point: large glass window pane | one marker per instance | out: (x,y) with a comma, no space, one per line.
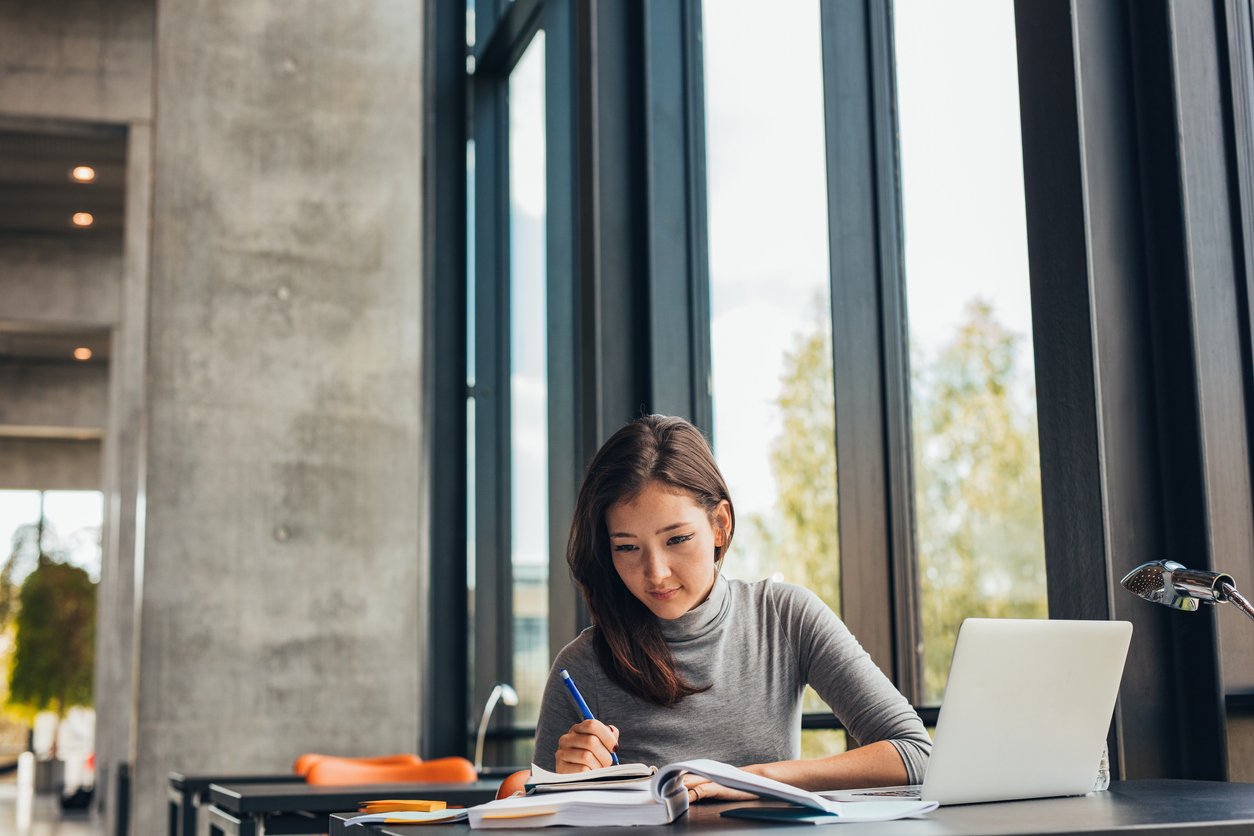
(770,330)
(529,452)
(976,459)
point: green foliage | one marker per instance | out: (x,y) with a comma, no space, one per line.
(980,542)
(56,627)
(23,554)
(978,491)
(798,539)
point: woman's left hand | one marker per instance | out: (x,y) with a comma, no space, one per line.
(703,789)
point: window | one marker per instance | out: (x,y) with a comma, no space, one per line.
(507,408)
(863,208)
(774,420)
(800,309)
(980,543)
(528,384)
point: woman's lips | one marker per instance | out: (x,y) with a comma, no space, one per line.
(664,594)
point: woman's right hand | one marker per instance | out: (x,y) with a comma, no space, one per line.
(586,746)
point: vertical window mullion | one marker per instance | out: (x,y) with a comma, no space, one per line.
(868,401)
(492,495)
(907,627)
(445,698)
(565,458)
(675,227)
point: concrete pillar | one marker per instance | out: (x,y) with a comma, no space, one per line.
(281,572)
(122,482)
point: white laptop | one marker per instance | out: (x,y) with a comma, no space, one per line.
(1025,712)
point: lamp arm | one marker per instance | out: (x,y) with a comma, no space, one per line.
(483,727)
(1237,599)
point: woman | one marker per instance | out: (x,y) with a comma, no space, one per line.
(683,663)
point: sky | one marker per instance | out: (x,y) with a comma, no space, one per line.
(963,225)
(962,187)
(528,331)
(76,517)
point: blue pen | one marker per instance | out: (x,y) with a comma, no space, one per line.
(583,706)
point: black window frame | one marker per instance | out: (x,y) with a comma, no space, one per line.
(627,263)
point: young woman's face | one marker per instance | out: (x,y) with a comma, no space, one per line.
(663,546)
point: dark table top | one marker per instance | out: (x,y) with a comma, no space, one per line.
(195,783)
(1178,807)
(249,799)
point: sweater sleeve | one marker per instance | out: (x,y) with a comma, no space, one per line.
(864,700)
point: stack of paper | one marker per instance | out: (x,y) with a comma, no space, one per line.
(634,776)
(582,807)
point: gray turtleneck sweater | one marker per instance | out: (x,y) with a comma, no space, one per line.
(757,645)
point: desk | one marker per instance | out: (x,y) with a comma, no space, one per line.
(187,792)
(251,809)
(1201,808)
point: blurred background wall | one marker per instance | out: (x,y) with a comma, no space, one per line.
(249,285)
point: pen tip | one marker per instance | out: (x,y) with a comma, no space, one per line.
(565,675)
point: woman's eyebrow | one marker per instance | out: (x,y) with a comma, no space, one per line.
(670,527)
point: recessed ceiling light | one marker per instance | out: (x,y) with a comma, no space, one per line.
(83,174)
(82,353)
(83,219)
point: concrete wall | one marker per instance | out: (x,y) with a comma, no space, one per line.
(57,280)
(77,59)
(52,397)
(41,464)
(282,567)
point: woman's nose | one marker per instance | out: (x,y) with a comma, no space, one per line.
(655,566)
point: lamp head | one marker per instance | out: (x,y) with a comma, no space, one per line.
(508,695)
(1171,584)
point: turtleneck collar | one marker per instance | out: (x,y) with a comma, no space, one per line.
(702,618)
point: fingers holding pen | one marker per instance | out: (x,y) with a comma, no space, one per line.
(587,745)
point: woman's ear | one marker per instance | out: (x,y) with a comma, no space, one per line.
(722,523)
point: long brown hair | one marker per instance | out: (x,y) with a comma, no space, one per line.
(628,639)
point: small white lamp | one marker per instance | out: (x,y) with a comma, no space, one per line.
(501,692)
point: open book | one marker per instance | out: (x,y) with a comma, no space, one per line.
(664,798)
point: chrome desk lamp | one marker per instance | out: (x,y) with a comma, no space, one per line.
(501,692)
(1167,582)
